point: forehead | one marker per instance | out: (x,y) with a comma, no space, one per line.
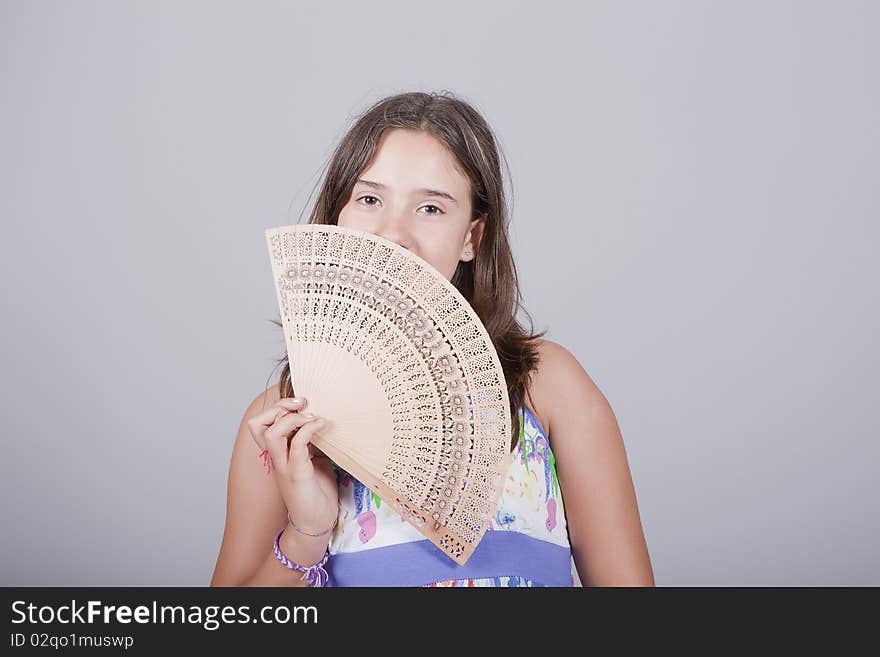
(408,160)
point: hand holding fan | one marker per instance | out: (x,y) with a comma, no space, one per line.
(393,356)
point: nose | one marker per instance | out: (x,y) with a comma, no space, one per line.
(394,229)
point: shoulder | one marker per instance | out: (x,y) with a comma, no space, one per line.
(266,398)
(261,402)
(601,509)
(561,386)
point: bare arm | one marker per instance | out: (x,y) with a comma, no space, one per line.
(599,498)
(255,512)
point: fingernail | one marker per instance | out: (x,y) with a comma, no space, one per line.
(308,415)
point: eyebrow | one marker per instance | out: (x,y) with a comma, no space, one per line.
(423,190)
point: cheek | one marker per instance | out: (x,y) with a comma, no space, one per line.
(344,216)
(349,217)
(442,260)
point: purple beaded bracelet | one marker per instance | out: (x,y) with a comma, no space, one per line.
(315,574)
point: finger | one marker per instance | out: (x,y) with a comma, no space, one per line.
(299,454)
(277,436)
(288,423)
(265,419)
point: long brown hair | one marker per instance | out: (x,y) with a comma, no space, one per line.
(489,281)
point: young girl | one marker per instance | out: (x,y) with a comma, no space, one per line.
(422,170)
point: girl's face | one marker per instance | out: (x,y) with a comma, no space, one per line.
(413,195)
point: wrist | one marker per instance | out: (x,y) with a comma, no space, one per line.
(313,534)
(302,521)
(301,549)
(313,573)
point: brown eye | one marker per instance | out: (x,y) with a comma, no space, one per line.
(368,196)
(439,211)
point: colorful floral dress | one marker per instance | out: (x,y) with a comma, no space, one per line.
(526,544)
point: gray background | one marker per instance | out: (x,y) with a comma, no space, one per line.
(695,219)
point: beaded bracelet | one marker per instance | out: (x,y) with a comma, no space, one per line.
(315,574)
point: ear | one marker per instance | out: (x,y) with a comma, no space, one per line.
(474,236)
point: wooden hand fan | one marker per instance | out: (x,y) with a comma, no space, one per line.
(385,348)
